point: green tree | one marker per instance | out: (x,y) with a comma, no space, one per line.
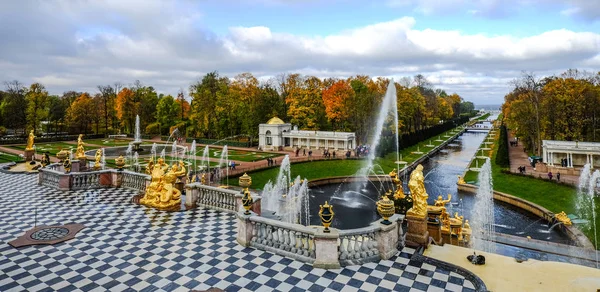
(205,93)
(166,110)
(80,114)
(57,109)
(14,105)
(37,105)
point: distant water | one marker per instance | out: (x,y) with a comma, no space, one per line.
(488,107)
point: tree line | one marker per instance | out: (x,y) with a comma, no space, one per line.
(223,107)
(564,107)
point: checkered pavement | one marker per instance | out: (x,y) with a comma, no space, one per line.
(130,247)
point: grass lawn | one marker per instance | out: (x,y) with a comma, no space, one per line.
(9,157)
(53,147)
(240,155)
(106,142)
(548,194)
(329,168)
(484,117)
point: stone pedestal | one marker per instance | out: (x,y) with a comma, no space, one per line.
(434,227)
(326,249)
(82,164)
(255,204)
(28,154)
(116,178)
(244,234)
(191,196)
(106,179)
(387,240)
(417,234)
(64,182)
(76,166)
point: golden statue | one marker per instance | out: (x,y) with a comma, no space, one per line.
(416,184)
(80,153)
(150,167)
(461,180)
(459,218)
(440,202)
(399,193)
(30,141)
(45,159)
(98,157)
(67,165)
(467,226)
(562,217)
(161,193)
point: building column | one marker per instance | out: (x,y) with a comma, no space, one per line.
(545,155)
(592,160)
(570,159)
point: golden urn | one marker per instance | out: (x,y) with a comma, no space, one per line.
(120,162)
(326,214)
(385,208)
(245,181)
(62,154)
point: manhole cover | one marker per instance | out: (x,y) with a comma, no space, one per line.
(52,233)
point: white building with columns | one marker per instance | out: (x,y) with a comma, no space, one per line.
(577,154)
(278,135)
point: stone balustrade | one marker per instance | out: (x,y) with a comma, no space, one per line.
(134,180)
(49,178)
(324,250)
(217,198)
(53,176)
(85,180)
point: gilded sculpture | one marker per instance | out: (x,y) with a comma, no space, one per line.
(399,193)
(416,184)
(30,141)
(98,157)
(161,193)
(562,217)
(440,202)
(80,153)
(461,180)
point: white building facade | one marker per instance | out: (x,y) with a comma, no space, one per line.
(278,135)
(575,154)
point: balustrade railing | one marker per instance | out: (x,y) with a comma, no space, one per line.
(85,180)
(358,246)
(134,180)
(49,178)
(291,240)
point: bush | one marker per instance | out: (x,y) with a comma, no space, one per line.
(2,131)
(181,126)
(502,158)
(153,129)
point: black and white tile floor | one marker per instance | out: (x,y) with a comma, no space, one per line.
(129,247)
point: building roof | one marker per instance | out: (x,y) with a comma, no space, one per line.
(275,121)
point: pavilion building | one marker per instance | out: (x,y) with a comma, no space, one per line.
(570,154)
(278,135)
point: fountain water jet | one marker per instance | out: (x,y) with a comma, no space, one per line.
(137,138)
(223,161)
(586,205)
(482,222)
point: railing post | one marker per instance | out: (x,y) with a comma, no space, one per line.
(326,249)
(244,234)
(387,238)
(191,196)
(64,182)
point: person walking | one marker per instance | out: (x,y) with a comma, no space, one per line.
(550,175)
(558,176)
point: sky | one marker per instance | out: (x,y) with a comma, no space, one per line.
(473,48)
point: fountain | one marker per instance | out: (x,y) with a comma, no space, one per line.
(418,151)
(476,168)
(223,162)
(586,205)
(205,162)
(192,157)
(285,198)
(137,139)
(103,160)
(482,225)
(439,139)
(174,152)
(481,156)
(430,145)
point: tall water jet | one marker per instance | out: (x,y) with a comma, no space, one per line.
(285,199)
(103,159)
(223,161)
(136,162)
(388,104)
(174,152)
(585,204)
(129,155)
(482,222)
(137,138)
(192,157)
(162,154)
(205,162)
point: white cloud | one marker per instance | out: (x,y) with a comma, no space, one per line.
(78,45)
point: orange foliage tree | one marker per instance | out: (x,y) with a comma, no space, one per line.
(126,108)
(335,99)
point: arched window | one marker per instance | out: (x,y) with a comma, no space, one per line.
(268,138)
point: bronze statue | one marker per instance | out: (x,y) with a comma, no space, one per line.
(30,141)
(80,153)
(562,217)
(416,184)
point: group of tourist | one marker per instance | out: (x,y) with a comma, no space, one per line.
(557,175)
(328,154)
(363,150)
(270,161)
(564,162)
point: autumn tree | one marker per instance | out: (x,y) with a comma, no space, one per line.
(337,98)
(37,105)
(107,95)
(80,114)
(126,108)
(57,110)
(205,94)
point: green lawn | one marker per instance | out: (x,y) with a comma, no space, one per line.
(53,147)
(548,194)
(240,155)
(107,142)
(484,117)
(9,157)
(329,168)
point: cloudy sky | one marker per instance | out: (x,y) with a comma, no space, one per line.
(471,47)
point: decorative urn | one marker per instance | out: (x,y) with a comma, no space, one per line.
(62,154)
(120,162)
(385,208)
(245,181)
(67,165)
(326,214)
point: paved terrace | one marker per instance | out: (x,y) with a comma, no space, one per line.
(130,247)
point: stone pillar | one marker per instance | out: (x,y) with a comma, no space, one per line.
(326,249)
(117,178)
(245,229)
(417,234)
(29,154)
(64,182)
(82,163)
(191,196)
(76,166)
(106,179)
(387,239)
(592,160)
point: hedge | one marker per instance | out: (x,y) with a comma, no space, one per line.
(502,158)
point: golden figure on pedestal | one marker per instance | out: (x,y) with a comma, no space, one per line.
(98,157)
(461,180)
(399,193)
(80,153)
(416,184)
(30,141)
(161,193)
